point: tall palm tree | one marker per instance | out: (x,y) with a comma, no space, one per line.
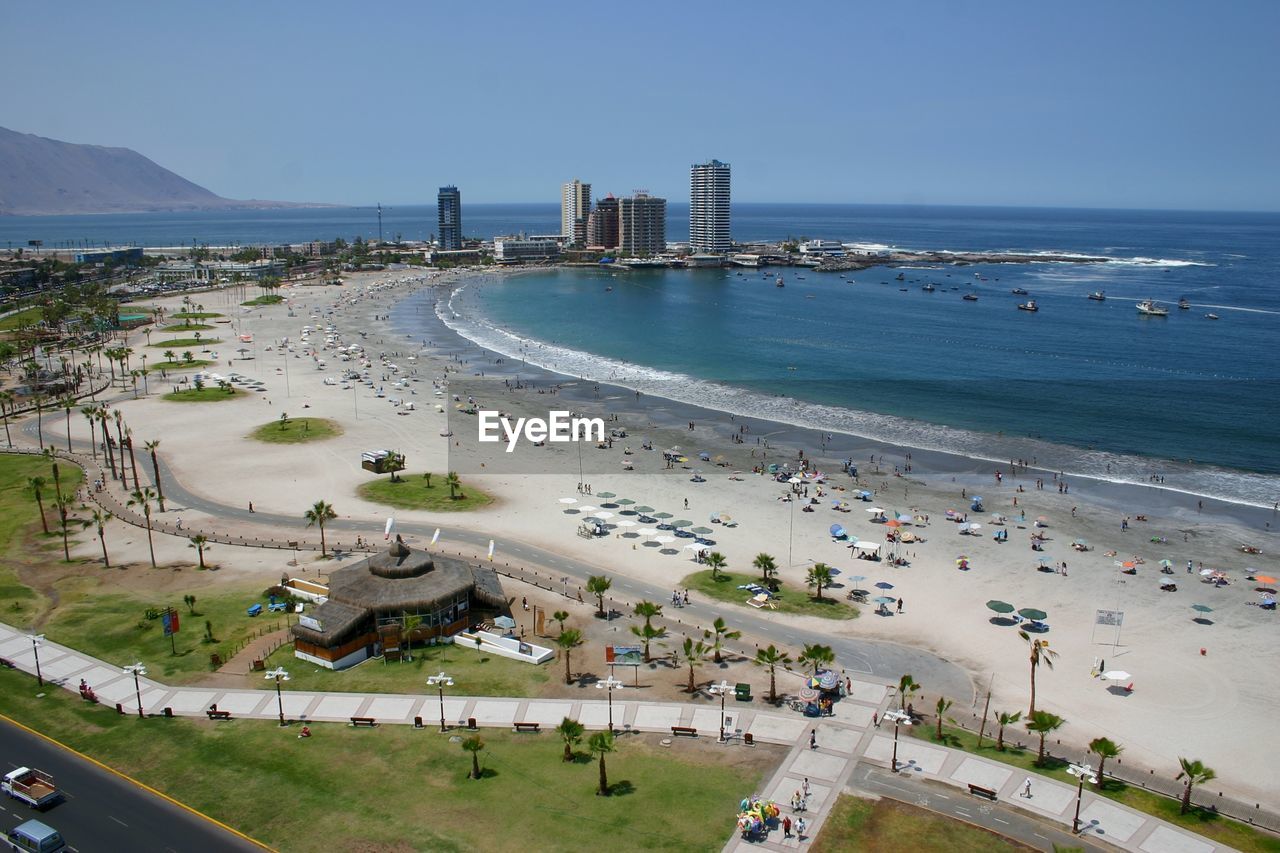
(1040,654)
(1004,718)
(1194,772)
(940,709)
(716,561)
(820,576)
(906,687)
(155,470)
(142,498)
(1042,723)
(7,399)
(718,633)
(89,415)
(598,585)
(201,543)
(454,482)
(38,398)
(766,566)
(569,639)
(64,504)
(1104,748)
(100,519)
(647,634)
(816,656)
(133,462)
(772,658)
(103,417)
(474,745)
(318,516)
(68,403)
(118,417)
(36,485)
(600,744)
(695,651)
(570,731)
(51,455)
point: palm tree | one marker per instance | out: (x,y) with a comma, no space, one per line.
(601,743)
(816,656)
(1004,718)
(143,498)
(718,633)
(766,566)
(695,651)
(118,417)
(38,399)
(940,709)
(560,616)
(170,356)
(155,469)
(906,686)
(569,639)
(1042,722)
(598,585)
(100,519)
(455,485)
(1040,654)
(89,414)
(64,504)
(201,543)
(68,403)
(772,658)
(106,440)
(318,516)
(51,455)
(474,745)
(647,634)
(1104,748)
(716,562)
(1194,772)
(820,576)
(570,731)
(133,463)
(36,485)
(7,399)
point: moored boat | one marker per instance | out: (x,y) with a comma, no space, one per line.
(778,282)
(1184,303)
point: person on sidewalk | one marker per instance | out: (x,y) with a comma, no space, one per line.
(801,828)
(813,738)
(786,826)
(1026,788)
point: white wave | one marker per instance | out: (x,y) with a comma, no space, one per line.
(1158,262)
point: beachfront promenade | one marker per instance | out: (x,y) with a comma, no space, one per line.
(844,742)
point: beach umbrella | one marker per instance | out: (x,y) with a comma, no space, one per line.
(1202,608)
(724,517)
(1032,614)
(505,622)
(902,516)
(588,509)
(664,540)
(1264,579)
(701,531)
(837,531)
(884,599)
(694,546)
(605,495)
(795,481)
(828,680)
(663,515)
(1080,542)
(884,585)
(857,578)
(603,516)
(999,606)
(1166,563)
(893,522)
(681,522)
(647,531)
(624,502)
(626,522)
(807,693)
(1116,675)
(875,509)
(1206,572)
(644,509)
(568,500)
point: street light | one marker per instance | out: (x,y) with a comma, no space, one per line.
(279,675)
(36,640)
(137,669)
(440,682)
(610,684)
(1085,774)
(898,718)
(723,689)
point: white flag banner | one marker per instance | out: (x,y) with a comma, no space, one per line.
(435,537)
(490,549)
(391,525)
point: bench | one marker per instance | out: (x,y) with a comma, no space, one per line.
(686,731)
(979,791)
(525,727)
(367,722)
(215,714)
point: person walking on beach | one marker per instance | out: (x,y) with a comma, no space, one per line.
(899,605)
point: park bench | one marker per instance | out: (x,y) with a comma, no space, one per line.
(686,731)
(215,714)
(367,722)
(979,791)
(525,727)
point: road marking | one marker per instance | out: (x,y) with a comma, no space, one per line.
(1038,835)
(1000,820)
(119,821)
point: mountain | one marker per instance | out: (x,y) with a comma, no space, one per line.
(47,177)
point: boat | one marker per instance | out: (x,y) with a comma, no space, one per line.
(902,289)
(1018,291)
(901,276)
(1029,305)
(970,297)
(928,288)
(1211,316)
(778,282)
(1098,296)
(1149,308)
(1184,304)
(608,290)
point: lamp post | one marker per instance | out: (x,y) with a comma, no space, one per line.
(1084,773)
(440,682)
(610,684)
(36,640)
(279,675)
(899,718)
(145,390)
(722,688)
(138,670)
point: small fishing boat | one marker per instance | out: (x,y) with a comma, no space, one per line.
(928,288)
(778,282)
(1098,296)
(1029,305)
(1211,316)
(970,297)
(1184,303)
(901,276)
(1149,308)
(902,289)
(1018,291)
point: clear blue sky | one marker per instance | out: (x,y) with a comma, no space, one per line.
(1169,104)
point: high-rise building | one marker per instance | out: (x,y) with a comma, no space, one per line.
(575,206)
(449,214)
(602,223)
(642,225)
(709,207)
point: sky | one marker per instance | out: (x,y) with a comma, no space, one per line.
(1090,103)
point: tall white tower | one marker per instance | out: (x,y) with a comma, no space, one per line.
(575,205)
(709,207)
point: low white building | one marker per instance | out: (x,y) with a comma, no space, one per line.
(517,249)
(828,248)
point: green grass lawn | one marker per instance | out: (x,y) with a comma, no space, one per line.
(412,492)
(858,824)
(473,673)
(1200,821)
(297,431)
(180,365)
(19,521)
(195,315)
(185,343)
(208,394)
(188,326)
(799,601)
(265,299)
(398,789)
(27,316)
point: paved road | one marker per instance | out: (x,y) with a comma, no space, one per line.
(102,811)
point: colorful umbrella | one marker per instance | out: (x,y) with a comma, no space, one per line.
(1264,579)
(999,606)
(828,679)
(1032,614)
(807,693)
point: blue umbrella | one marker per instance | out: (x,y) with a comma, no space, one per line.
(884,599)
(884,585)
(837,531)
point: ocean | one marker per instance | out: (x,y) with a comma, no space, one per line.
(1090,388)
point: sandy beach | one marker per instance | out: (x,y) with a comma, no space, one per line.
(1200,689)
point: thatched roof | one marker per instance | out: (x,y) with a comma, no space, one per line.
(336,620)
